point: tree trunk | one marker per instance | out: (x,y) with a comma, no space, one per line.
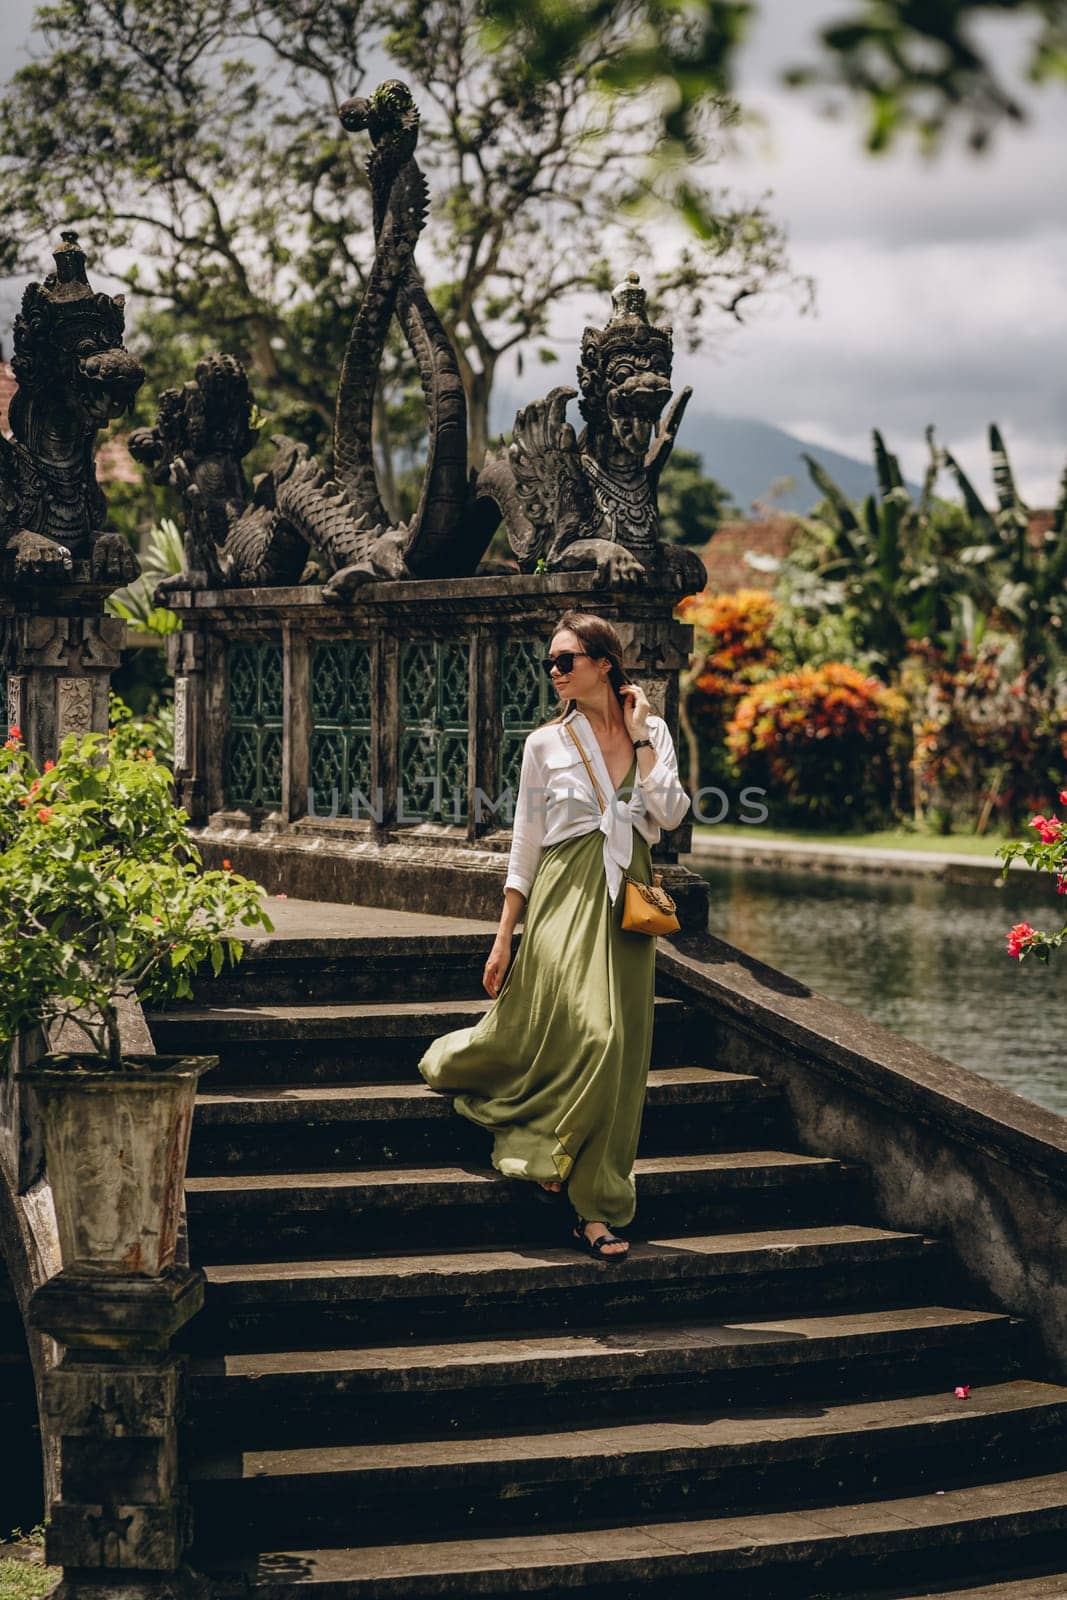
(479,387)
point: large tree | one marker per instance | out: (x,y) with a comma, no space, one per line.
(197,147)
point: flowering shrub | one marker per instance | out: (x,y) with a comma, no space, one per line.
(102,893)
(1049,852)
(825,740)
(731,652)
(730,639)
(988,737)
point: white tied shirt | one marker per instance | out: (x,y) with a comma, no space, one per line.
(556,799)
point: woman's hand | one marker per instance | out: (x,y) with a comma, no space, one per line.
(635,710)
(497,965)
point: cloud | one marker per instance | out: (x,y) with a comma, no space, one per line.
(941,287)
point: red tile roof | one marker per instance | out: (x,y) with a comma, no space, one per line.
(724,556)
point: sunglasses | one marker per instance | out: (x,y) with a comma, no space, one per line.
(564,661)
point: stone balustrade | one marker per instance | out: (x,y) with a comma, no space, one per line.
(318,744)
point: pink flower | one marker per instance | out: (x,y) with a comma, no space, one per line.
(1063,797)
(1019,939)
(1061,883)
(1048,828)
(281,897)
(962,1391)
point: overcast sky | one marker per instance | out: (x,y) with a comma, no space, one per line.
(941,288)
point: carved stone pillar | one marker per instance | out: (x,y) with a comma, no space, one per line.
(186,659)
(58,669)
(121,1522)
(655,652)
(296,733)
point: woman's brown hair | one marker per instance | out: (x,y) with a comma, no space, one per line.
(599,640)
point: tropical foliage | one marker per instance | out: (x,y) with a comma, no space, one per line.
(894,570)
(161,556)
(1029,577)
(988,738)
(691,505)
(150,737)
(104,894)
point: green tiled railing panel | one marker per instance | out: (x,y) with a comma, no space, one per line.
(435,729)
(252,761)
(526,699)
(340,725)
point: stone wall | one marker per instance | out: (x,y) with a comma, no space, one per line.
(949,1152)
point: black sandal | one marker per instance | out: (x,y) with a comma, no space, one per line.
(595,1247)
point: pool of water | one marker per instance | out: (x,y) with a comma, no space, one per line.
(920,956)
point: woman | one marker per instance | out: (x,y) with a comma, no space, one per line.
(557,1067)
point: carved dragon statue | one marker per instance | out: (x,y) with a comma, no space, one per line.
(577,503)
(74,377)
(203,431)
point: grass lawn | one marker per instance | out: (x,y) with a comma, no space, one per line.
(885,839)
(26,1580)
(23,1574)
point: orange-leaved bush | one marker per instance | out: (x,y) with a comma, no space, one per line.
(827,743)
(731,652)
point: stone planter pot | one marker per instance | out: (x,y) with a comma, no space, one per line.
(116,1146)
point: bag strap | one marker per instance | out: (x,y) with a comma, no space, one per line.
(657,877)
(588,768)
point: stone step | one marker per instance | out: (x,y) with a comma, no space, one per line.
(297,1395)
(256,1304)
(264,1127)
(711,1460)
(364,1209)
(374,967)
(829,1548)
(261,1042)
(1034,1586)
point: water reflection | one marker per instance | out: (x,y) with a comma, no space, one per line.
(918,955)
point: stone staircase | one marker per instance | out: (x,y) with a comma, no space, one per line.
(406,1382)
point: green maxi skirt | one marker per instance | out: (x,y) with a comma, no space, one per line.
(557,1068)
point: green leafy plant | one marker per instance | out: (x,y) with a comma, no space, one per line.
(148,736)
(1031,589)
(896,568)
(103,896)
(161,557)
(988,737)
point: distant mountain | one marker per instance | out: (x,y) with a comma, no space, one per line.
(749,458)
